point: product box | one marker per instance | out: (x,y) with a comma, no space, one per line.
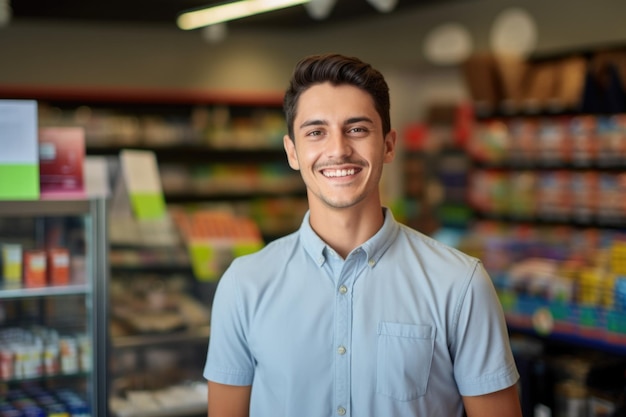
(11,265)
(19,168)
(58,266)
(572,74)
(61,160)
(511,71)
(139,189)
(481,77)
(35,268)
(540,87)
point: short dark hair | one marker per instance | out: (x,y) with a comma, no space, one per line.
(336,69)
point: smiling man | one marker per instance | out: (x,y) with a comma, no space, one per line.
(354,314)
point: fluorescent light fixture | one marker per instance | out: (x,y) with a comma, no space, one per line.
(230,11)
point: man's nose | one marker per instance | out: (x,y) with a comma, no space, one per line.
(338,145)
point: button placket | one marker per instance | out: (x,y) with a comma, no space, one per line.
(343,327)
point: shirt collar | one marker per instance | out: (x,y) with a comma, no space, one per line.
(374,247)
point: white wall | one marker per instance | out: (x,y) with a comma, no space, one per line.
(68,54)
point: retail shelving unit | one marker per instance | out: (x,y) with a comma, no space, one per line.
(212,149)
(548,155)
(435,188)
(560,195)
(159,333)
(552,233)
(436,167)
(53,337)
(547,188)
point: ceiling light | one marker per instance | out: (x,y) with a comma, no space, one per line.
(448,44)
(230,11)
(320,9)
(5,12)
(514,31)
(383,6)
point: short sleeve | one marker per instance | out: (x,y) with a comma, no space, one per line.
(229,360)
(483,362)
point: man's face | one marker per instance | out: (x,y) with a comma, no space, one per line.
(339,146)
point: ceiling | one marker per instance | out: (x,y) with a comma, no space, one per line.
(166,11)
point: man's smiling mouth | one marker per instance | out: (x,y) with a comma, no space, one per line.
(334,173)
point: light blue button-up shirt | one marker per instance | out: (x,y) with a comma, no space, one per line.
(402,327)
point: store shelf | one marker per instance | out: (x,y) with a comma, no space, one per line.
(176,401)
(12,293)
(180,411)
(523,325)
(199,335)
(198,153)
(131,97)
(29,208)
(151,268)
(543,165)
(44,378)
(234,196)
(551,220)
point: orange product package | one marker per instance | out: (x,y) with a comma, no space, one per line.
(58,266)
(35,268)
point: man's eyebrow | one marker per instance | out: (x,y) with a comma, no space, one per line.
(313,122)
(358,120)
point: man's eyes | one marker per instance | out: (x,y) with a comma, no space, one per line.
(352,130)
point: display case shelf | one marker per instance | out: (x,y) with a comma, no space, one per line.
(47,378)
(30,208)
(12,293)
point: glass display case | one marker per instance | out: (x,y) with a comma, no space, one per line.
(53,307)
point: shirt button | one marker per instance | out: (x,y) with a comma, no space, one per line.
(343,289)
(341,350)
(341,411)
(371,262)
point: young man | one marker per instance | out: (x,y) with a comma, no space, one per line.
(354,314)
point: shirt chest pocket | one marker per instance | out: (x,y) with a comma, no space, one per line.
(405,353)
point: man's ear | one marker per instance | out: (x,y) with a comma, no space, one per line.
(390,146)
(290,150)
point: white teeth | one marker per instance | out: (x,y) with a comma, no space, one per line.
(339,173)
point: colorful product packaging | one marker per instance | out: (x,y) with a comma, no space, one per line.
(12,265)
(35,266)
(552,142)
(58,266)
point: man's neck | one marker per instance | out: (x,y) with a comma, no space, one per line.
(345,229)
